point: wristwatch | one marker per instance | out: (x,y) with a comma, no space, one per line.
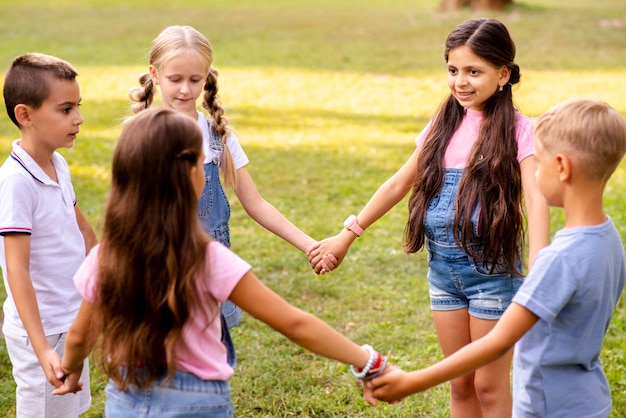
(351,224)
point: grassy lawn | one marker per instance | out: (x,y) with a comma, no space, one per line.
(327,97)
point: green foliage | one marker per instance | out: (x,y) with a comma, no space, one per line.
(327,97)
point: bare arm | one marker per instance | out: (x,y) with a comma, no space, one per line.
(86,230)
(79,342)
(386,197)
(17,250)
(300,327)
(537,210)
(266,215)
(397,384)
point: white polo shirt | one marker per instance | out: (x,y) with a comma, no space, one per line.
(32,203)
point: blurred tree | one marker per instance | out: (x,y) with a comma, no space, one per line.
(497,5)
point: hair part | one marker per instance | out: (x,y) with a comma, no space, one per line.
(27,80)
(151,248)
(172,41)
(492,178)
(590,131)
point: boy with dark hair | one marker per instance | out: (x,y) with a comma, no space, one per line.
(44,237)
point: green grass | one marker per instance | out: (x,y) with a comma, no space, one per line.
(327,97)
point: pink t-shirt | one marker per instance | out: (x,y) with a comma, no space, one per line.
(202,352)
(466,135)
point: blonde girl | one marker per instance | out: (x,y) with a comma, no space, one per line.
(181,66)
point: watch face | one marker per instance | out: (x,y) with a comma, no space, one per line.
(349,221)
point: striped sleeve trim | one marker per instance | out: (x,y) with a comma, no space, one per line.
(15,230)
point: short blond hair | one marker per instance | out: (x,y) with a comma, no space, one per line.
(591,130)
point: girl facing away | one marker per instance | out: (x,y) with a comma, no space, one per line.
(153,287)
(472,165)
(181,66)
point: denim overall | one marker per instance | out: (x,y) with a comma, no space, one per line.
(457,280)
(214,212)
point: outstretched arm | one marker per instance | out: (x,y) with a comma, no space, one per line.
(300,327)
(386,197)
(397,384)
(266,215)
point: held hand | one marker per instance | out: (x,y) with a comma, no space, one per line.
(392,386)
(368,388)
(321,258)
(368,396)
(328,262)
(71,384)
(51,364)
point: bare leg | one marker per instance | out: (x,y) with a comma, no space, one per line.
(453,331)
(493,381)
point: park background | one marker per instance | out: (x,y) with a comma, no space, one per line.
(327,97)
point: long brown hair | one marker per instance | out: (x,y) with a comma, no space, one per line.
(172,41)
(492,177)
(152,245)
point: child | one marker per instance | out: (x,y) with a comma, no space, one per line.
(44,236)
(154,286)
(471,164)
(562,311)
(180,63)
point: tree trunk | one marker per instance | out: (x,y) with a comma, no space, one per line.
(495,5)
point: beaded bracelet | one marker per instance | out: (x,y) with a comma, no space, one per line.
(377,371)
(374,363)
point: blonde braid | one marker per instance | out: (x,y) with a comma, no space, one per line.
(211,102)
(142,96)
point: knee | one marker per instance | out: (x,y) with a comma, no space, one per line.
(462,388)
(491,392)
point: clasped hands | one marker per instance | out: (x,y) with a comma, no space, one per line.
(391,387)
(55,374)
(326,255)
(70,383)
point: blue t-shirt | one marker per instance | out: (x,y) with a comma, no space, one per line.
(573,287)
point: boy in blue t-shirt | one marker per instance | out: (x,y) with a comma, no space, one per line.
(561,313)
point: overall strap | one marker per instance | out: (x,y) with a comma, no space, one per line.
(215,142)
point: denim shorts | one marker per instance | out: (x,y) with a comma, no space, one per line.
(457,281)
(186,396)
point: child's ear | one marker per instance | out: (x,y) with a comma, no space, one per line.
(564,166)
(154,75)
(22,114)
(505,75)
